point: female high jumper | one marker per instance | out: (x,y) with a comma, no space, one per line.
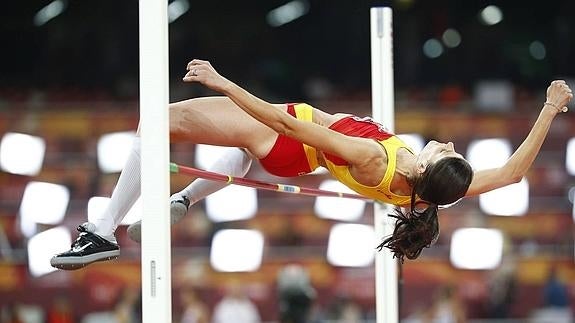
(294,139)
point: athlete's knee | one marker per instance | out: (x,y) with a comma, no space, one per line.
(177,130)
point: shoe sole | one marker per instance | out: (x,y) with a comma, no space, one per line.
(74,263)
(177,212)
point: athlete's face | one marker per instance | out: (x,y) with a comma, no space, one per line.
(434,151)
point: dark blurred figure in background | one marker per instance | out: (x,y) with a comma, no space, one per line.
(555,292)
(296,295)
(556,305)
(502,288)
(10,314)
(343,309)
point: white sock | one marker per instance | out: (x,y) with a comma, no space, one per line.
(124,196)
(235,162)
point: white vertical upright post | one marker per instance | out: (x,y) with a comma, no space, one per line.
(154,129)
(386,289)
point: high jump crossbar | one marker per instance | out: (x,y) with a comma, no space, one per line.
(284,188)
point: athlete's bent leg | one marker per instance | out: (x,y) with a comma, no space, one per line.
(234,162)
(212,120)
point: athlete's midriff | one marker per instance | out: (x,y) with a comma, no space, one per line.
(288,158)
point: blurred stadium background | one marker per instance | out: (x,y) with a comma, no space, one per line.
(474,73)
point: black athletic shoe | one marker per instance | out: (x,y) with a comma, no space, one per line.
(88,248)
(178,208)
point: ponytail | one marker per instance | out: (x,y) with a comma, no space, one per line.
(414,230)
(443,182)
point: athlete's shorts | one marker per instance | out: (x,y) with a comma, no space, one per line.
(289,157)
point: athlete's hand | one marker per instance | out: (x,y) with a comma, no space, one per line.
(202,72)
(558,95)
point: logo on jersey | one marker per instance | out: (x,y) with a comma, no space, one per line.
(386,194)
(380,127)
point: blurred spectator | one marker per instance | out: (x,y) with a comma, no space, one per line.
(350,313)
(235,307)
(22,313)
(61,311)
(194,310)
(296,295)
(127,307)
(502,287)
(555,292)
(446,308)
(416,315)
(9,314)
(556,308)
(344,310)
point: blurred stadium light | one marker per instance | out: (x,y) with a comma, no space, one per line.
(22,154)
(287,13)
(97,206)
(237,250)
(44,203)
(49,12)
(43,246)
(351,245)
(113,150)
(232,203)
(491,15)
(337,208)
(476,248)
(413,140)
(570,157)
(509,200)
(488,153)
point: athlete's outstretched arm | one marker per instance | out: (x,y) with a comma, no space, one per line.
(357,151)
(558,96)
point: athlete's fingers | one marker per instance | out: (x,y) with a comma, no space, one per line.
(197,62)
(191,75)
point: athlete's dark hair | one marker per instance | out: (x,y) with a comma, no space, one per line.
(443,182)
